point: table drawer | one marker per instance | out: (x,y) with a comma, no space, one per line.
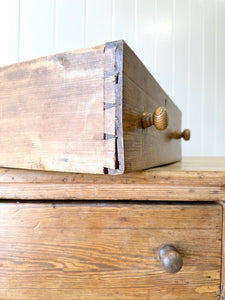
(93,250)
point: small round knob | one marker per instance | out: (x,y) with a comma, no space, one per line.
(186,135)
(159,119)
(170,258)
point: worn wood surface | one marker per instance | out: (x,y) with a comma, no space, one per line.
(145,148)
(108,251)
(52,113)
(190,180)
(81,111)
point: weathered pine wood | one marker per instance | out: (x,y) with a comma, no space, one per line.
(81,111)
(145,148)
(192,179)
(52,112)
(108,251)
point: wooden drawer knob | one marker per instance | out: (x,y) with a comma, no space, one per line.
(186,135)
(170,258)
(159,119)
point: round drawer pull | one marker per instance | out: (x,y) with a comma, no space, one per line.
(170,258)
(186,135)
(159,119)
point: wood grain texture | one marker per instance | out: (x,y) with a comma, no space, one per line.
(145,148)
(192,179)
(52,112)
(108,251)
(81,111)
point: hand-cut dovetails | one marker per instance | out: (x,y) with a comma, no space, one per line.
(159,119)
(108,105)
(108,136)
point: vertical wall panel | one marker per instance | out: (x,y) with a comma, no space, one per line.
(180,60)
(69,25)
(208,75)
(99,22)
(9,31)
(220,79)
(145,33)
(124,21)
(164,44)
(36,28)
(195,77)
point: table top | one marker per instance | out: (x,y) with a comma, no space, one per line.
(192,179)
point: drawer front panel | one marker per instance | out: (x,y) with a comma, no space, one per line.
(108,251)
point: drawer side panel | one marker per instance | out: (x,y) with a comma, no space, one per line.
(52,112)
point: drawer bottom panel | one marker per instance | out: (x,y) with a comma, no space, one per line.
(93,250)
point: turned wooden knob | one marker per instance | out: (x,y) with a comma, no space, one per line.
(170,258)
(159,119)
(186,135)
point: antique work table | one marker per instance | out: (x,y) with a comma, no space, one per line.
(81,236)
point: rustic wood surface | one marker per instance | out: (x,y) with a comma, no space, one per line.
(52,113)
(108,251)
(81,111)
(192,179)
(145,148)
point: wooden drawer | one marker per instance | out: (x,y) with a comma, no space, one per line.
(108,251)
(81,111)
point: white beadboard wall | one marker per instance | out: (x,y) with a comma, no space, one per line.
(182,43)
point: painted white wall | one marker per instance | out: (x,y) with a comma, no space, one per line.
(182,43)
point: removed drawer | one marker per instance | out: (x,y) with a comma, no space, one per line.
(86,111)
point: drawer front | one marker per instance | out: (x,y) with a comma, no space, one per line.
(108,251)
